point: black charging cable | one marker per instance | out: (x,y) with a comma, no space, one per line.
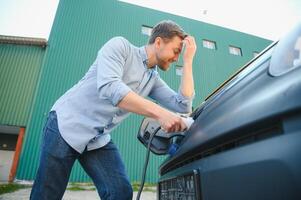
(146,161)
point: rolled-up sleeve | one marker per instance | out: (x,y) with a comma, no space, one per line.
(170,99)
(110,65)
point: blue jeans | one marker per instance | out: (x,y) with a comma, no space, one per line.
(103,165)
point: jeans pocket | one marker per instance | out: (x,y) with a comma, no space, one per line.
(55,145)
(52,122)
(53,142)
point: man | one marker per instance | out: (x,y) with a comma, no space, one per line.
(79,123)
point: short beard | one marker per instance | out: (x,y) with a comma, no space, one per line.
(162,64)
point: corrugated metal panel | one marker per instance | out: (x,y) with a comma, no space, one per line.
(20,67)
(81,28)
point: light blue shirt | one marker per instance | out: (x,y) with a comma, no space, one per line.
(87,113)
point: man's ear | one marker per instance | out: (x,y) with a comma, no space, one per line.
(158,42)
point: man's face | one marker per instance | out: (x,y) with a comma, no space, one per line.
(168,52)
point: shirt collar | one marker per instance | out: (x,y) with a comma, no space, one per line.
(143,55)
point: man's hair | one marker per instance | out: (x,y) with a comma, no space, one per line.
(166,30)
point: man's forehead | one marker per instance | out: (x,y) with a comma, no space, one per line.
(178,42)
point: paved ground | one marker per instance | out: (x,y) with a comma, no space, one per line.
(23,194)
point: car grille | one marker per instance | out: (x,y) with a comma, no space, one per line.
(185,187)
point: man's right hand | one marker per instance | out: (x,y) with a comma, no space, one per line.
(171,122)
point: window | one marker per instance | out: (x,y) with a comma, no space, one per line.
(209,44)
(146,30)
(179,70)
(235,50)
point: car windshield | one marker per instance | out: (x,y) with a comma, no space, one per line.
(236,77)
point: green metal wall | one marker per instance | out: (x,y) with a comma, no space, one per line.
(19,71)
(81,28)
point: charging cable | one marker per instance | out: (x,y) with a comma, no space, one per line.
(146,163)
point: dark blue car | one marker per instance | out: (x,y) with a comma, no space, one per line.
(245,143)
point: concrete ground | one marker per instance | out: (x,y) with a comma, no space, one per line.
(23,194)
